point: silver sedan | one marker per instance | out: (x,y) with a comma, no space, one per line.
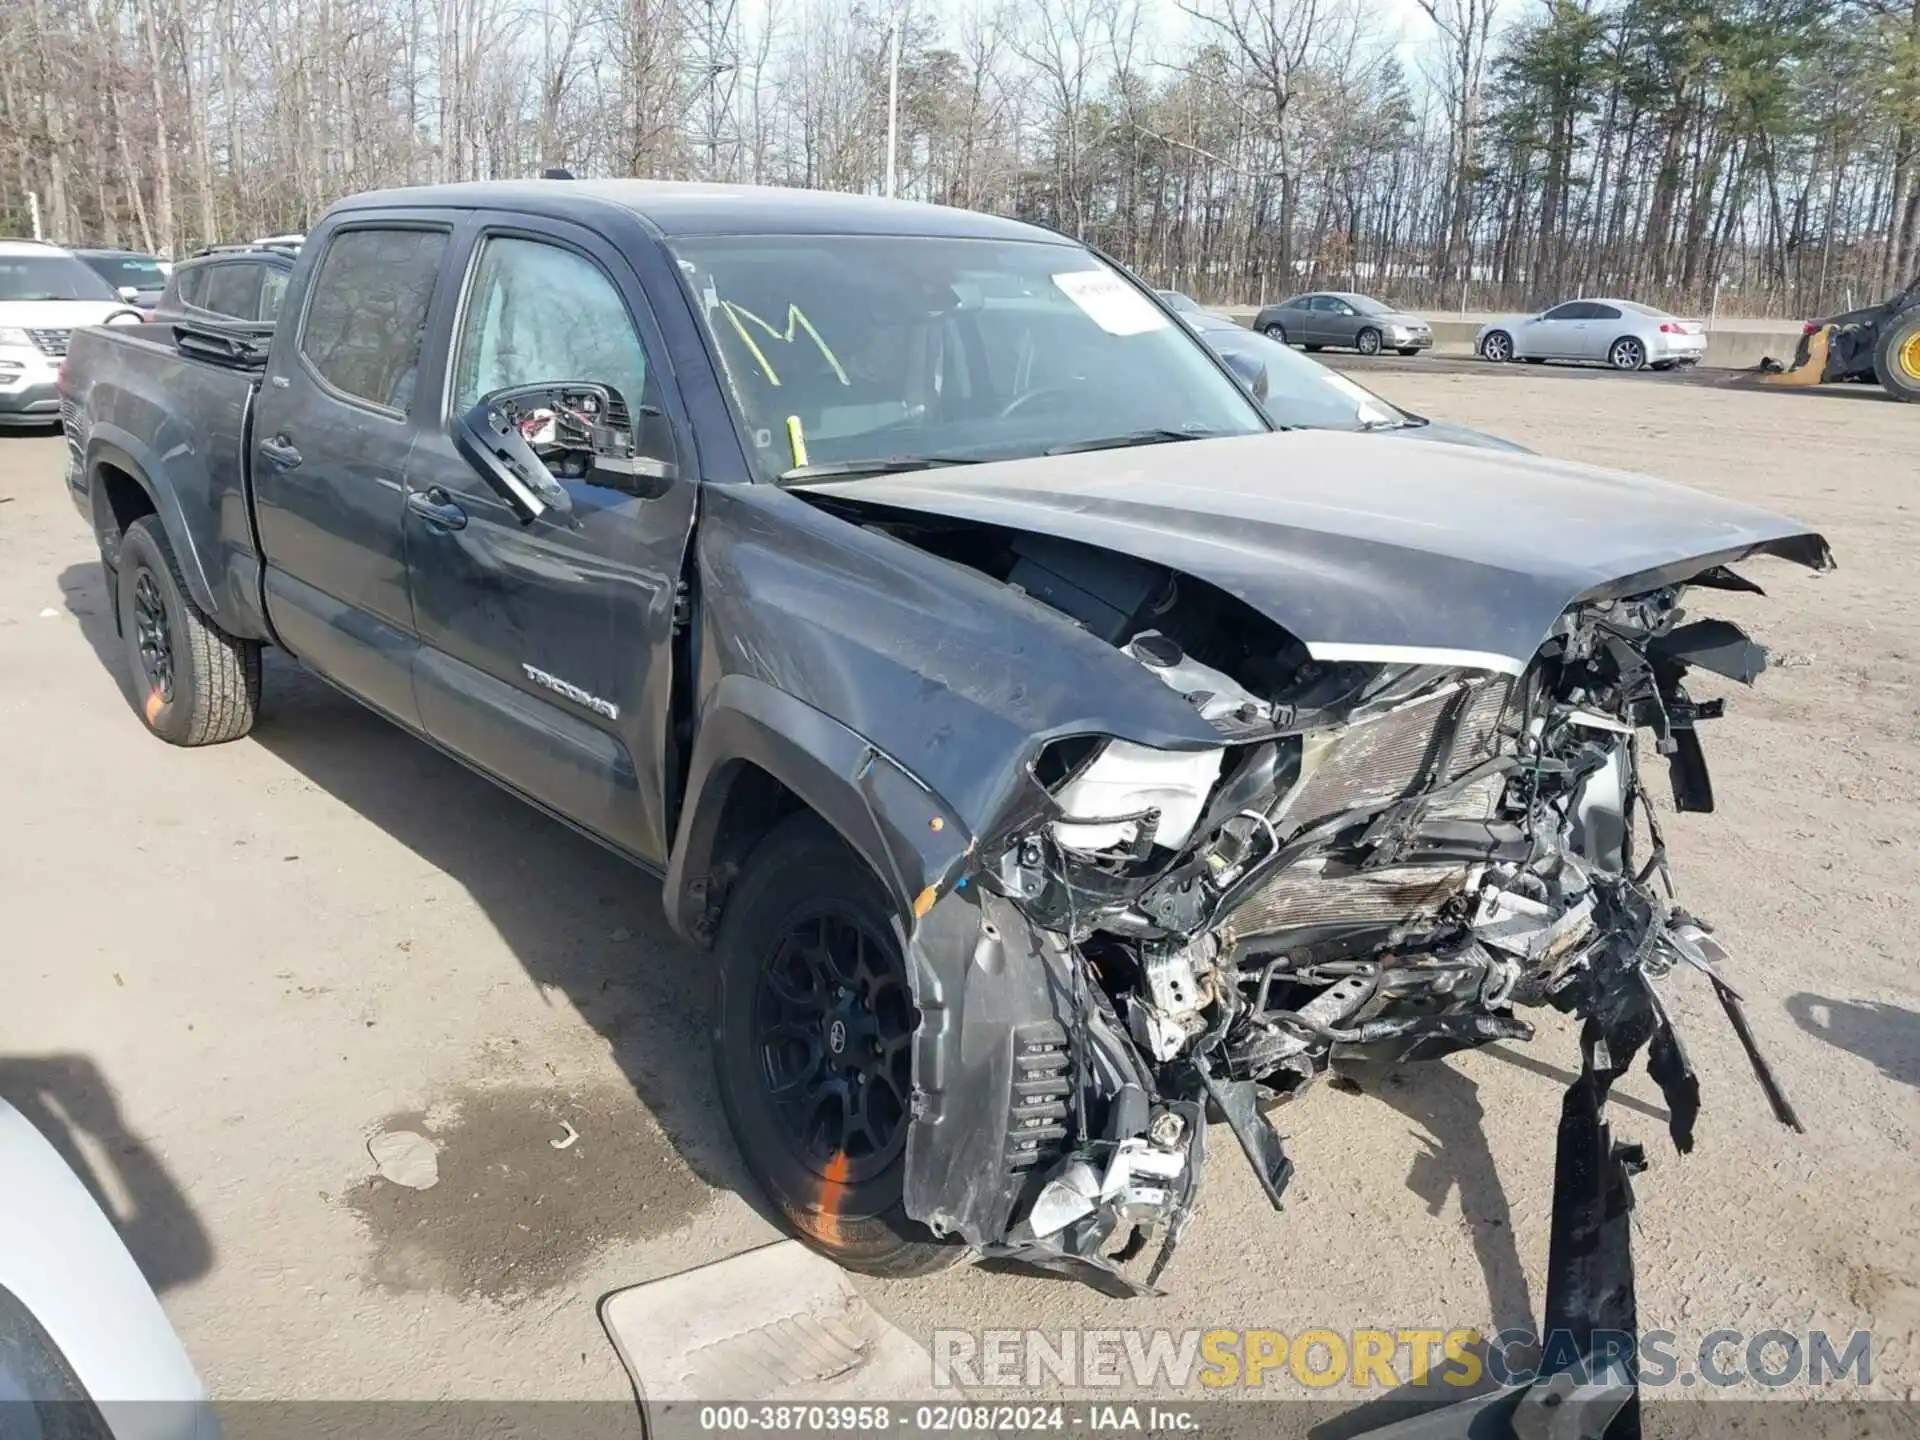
(1618,333)
(1345,319)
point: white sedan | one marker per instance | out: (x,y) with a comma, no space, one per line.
(1599,332)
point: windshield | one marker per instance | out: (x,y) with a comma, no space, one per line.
(138,272)
(850,349)
(1304,392)
(1367,305)
(50,277)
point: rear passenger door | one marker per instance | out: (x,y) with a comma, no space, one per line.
(332,432)
(544,644)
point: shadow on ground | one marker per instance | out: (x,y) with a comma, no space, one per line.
(583,923)
(1888,1035)
(1445,1106)
(68,1100)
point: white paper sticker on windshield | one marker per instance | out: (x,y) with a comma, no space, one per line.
(1110,302)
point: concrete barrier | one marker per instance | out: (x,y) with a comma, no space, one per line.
(1731,344)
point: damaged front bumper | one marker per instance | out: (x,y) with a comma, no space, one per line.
(1384,877)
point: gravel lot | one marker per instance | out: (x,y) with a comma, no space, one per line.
(225,969)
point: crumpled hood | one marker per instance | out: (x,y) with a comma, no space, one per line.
(1364,550)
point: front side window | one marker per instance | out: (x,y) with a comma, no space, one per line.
(537,313)
(1574,311)
(367,316)
(857,349)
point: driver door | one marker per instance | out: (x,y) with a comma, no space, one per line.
(544,643)
(1559,334)
(1340,324)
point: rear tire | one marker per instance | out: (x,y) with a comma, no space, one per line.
(1497,346)
(1409,349)
(806,915)
(1311,349)
(1627,353)
(1896,356)
(193,684)
(1535,359)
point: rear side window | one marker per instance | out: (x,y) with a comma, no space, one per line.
(231,289)
(1603,312)
(367,315)
(183,286)
(273,289)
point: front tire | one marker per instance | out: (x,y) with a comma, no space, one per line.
(1276,332)
(193,684)
(1627,353)
(1496,346)
(1896,356)
(813,1028)
(1367,342)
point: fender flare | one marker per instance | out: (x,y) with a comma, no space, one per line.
(108,444)
(913,841)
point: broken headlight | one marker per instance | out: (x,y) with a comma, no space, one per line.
(1131,796)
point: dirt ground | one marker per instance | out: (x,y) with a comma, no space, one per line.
(225,969)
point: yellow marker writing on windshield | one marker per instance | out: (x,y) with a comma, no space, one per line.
(796,322)
(797,441)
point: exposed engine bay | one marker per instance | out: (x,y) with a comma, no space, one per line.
(1379,859)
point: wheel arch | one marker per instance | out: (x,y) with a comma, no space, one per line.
(120,482)
(759,756)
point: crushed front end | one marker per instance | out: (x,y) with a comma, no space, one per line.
(1383,858)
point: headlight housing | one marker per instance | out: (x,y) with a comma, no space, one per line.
(14,335)
(1132,792)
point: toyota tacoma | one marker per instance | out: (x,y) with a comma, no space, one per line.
(1054,756)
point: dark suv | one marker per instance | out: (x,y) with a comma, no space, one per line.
(228,283)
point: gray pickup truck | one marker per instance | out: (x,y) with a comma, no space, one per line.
(1052,756)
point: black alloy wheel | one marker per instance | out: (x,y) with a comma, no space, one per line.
(832,1025)
(153,635)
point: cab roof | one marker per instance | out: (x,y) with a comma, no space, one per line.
(684,208)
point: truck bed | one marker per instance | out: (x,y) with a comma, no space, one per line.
(143,399)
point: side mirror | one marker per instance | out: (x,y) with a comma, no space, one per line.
(1251,372)
(585,432)
(127,292)
(493,438)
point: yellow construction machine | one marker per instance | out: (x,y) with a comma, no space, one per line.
(1880,343)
